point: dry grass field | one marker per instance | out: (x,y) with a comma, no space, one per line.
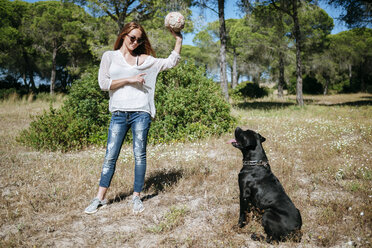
(321,154)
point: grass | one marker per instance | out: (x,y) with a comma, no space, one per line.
(321,154)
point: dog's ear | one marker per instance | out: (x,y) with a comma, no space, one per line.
(250,141)
(262,138)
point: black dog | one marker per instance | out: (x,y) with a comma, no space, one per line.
(261,190)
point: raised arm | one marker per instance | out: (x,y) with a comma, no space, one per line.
(178,37)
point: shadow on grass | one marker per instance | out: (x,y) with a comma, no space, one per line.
(157,182)
(264,105)
(282,105)
(353,103)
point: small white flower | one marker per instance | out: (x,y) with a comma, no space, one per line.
(361,213)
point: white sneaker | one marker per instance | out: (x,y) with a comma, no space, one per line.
(137,205)
(94,205)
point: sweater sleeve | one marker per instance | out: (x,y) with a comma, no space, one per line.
(104,78)
(169,62)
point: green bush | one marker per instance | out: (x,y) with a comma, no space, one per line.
(309,85)
(250,90)
(189,106)
(5,93)
(82,118)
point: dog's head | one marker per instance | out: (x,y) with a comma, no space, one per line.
(250,144)
(246,140)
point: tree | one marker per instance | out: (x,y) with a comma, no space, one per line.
(242,59)
(358,12)
(290,8)
(17,56)
(276,26)
(139,11)
(324,68)
(351,51)
(233,49)
(59,28)
(208,47)
(251,41)
(316,27)
(223,40)
(219,8)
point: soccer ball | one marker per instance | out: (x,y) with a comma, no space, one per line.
(175,21)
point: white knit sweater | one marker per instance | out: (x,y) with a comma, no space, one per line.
(132,97)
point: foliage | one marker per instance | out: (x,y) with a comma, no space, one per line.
(258,45)
(76,124)
(250,90)
(41,39)
(17,56)
(128,10)
(357,13)
(58,30)
(310,85)
(189,107)
(350,50)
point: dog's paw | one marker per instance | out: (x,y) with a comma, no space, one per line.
(241,224)
(257,237)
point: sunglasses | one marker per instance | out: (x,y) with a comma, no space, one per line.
(133,39)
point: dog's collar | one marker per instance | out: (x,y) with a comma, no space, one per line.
(255,162)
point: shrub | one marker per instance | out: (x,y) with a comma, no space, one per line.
(249,89)
(189,106)
(309,85)
(81,118)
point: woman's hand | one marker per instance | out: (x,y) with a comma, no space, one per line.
(138,79)
(176,35)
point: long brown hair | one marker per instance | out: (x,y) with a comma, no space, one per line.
(144,48)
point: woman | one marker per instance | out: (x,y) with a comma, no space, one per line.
(129,74)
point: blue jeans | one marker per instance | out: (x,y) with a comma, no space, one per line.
(120,123)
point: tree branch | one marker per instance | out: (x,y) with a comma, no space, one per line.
(281,9)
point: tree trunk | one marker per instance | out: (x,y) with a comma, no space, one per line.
(32,81)
(121,21)
(29,72)
(363,86)
(281,54)
(325,90)
(234,81)
(350,73)
(24,77)
(221,15)
(53,75)
(297,34)
(281,76)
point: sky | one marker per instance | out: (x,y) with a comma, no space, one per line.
(232,11)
